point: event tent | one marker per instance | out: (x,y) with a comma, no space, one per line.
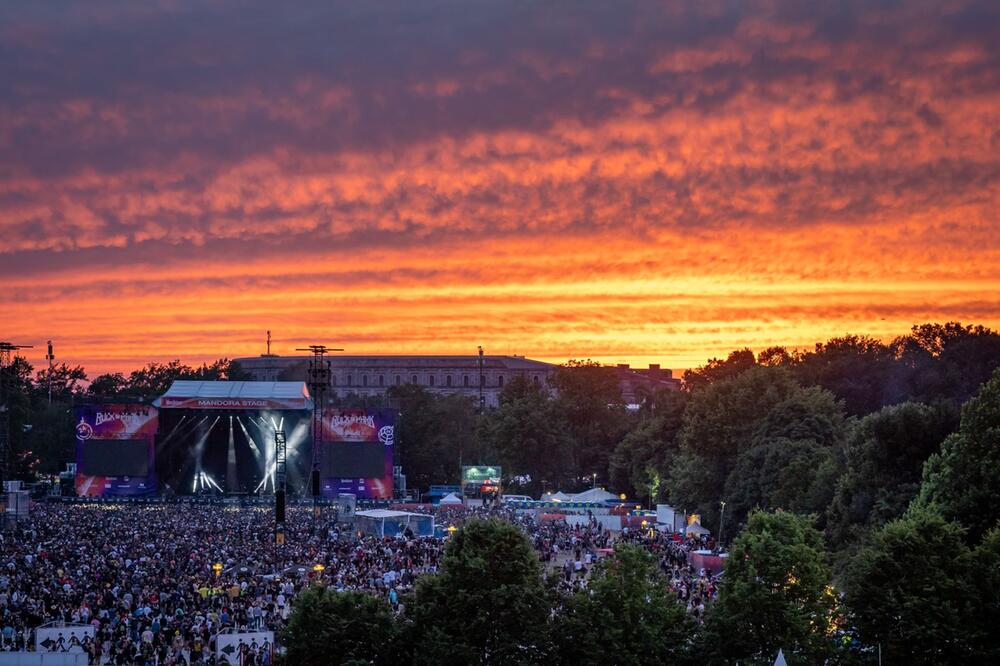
(451,499)
(593,495)
(695,529)
(384,522)
(557,496)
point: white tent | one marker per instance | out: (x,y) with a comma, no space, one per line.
(696,529)
(558,496)
(451,499)
(593,495)
(384,522)
(780,660)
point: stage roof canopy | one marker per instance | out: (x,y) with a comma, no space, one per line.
(235,395)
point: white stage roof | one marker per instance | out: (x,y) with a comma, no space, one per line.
(184,394)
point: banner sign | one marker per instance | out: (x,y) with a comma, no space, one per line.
(480,481)
(115,447)
(272,403)
(68,638)
(356,454)
(236,649)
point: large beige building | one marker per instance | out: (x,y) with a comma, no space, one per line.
(443,375)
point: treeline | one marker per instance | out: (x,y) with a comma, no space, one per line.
(41,403)
(907,570)
(917,594)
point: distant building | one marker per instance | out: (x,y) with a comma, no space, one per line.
(442,375)
(638,381)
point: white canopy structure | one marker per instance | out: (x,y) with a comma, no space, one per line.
(696,529)
(558,496)
(451,499)
(593,495)
(184,394)
(384,522)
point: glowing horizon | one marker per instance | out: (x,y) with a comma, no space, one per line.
(643,183)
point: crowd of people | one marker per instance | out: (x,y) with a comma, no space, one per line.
(157,583)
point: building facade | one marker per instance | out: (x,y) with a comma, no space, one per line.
(441,375)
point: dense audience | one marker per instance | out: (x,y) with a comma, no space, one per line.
(158,582)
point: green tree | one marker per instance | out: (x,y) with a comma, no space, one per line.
(51,438)
(108,385)
(715,370)
(645,455)
(487,604)
(17,387)
(65,382)
(154,379)
(963,480)
(590,397)
(763,406)
(855,368)
(986,582)
(913,590)
(626,616)
(947,361)
(884,456)
(775,594)
(330,627)
(529,434)
(433,434)
(795,475)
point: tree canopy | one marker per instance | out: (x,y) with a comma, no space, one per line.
(775,594)
(915,590)
(884,457)
(625,616)
(332,627)
(486,605)
(963,480)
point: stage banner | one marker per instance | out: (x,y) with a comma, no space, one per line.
(115,447)
(356,455)
(270,403)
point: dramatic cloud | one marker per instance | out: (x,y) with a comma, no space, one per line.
(641,181)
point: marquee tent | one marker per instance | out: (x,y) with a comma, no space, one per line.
(384,522)
(451,499)
(695,529)
(594,495)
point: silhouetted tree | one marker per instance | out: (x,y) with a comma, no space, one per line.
(735,364)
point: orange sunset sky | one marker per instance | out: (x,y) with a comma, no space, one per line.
(624,181)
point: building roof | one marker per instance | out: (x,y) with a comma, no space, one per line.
(184,394)
(415,361)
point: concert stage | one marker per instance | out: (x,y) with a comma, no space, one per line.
(218,438)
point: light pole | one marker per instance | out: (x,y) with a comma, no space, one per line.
(722,515)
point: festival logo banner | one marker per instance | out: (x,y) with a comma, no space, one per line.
(115,447)
(357,452)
